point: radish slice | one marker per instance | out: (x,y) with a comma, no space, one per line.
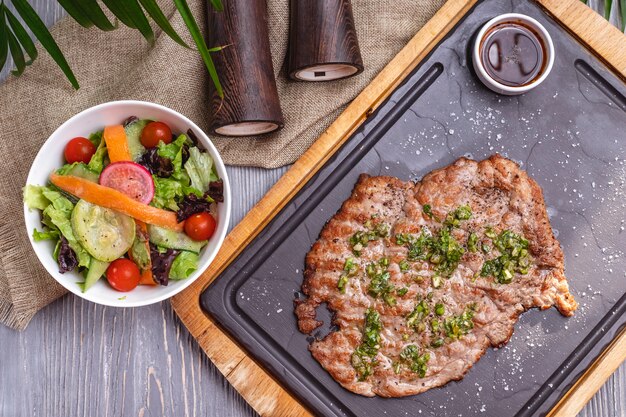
(129,178)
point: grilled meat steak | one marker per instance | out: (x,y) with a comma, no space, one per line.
(423,277)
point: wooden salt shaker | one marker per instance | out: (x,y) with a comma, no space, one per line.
(250,105)
(323,44)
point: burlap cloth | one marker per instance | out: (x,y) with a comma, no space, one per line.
(119,65)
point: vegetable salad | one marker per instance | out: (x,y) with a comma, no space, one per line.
(133,203)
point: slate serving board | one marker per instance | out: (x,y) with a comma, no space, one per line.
(568,134)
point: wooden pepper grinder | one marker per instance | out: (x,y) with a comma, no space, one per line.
(323,45)
(250,105)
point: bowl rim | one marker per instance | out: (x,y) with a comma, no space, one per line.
(222,225)
(478,65)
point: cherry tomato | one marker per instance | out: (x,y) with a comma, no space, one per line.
(155,132)
(123,275)
(130,178)
(79,150)
(200,226)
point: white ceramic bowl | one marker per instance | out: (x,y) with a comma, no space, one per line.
(50,157)
(480,69)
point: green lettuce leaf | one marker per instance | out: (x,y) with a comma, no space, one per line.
(58,201)
(55,253)
(57,216)
(96,138)
(67,168)
(199,167)
(47,234)
(168,192)
(184,265)
(34,198)
(57,211)
(172,149)
(99,159)
(174,152)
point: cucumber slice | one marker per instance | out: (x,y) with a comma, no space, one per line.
(174,240)
(133,136)
(81,170)
(104,233)
(96,270)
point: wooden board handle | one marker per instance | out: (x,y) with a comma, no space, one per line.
(593,379)
(602,38)
(250,105)
(323,45)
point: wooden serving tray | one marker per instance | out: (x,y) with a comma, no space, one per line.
(255,385)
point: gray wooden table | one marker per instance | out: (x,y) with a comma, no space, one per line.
(77,358)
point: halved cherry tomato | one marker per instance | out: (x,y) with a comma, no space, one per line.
(123,275)
(200,226)
(155,132)
(79,150)
(130,178)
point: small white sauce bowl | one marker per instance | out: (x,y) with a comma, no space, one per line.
(480,69)
(50,158)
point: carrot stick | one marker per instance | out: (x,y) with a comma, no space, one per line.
(116,200)
(117,143)
(146,278)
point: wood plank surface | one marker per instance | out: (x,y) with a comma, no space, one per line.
(80,359)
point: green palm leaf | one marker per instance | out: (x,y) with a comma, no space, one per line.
(117,8)
(607,8)
(14,38)
(218,48)
(4,42)
(194,30)
(217,5)
(77,14)
(132,11)
(622,6)
(91,10)
(152,8)
(22,36)
(17,54)
(42,33)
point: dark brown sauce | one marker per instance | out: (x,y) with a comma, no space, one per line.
(513,54)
